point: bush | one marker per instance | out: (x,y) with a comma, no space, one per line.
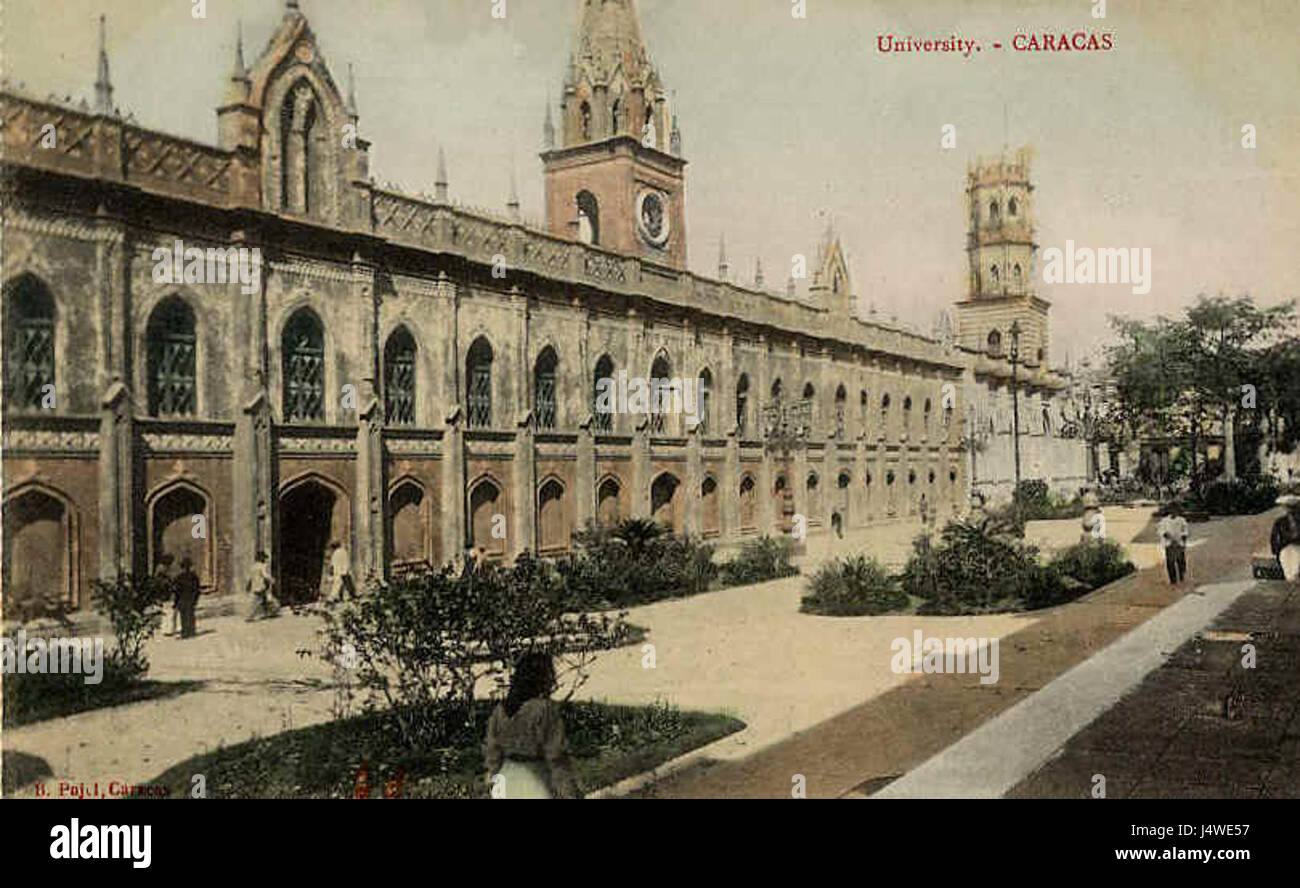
(1033,502)
(1245,496)
(421,644)
(134,607)
(1094,563)
(637,562)
(853,587)
(1031,494)
(976,566)
(766,558)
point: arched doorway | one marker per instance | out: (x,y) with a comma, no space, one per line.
(710,507)
(172,529)
(664,501)
(484,506)
(552,524)
(608,508)
(40,550)
(313,514)
(408,527)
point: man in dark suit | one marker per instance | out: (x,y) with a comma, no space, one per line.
(187,596)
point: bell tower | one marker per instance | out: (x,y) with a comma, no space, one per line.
(1002,259)
(616,179)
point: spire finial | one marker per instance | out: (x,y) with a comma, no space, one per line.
(241,69)
(513,204)
(548,128)
(758,272)
(440,186)
(103,85)
(352,93)
(723,268)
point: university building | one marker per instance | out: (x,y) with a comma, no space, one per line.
(404,369)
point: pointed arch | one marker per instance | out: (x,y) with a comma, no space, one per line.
(171,358)
(302,354)
(603,413)
(170,510)
(742,405)
(705,403)
(609,501)
(42,546)
(30,316)
(588,218)
(748,502)
(478,382)
(410,524)
(554,528)
(400,354)
(661,369)
(710,507)
(665,500)
(485,504)
(545,403)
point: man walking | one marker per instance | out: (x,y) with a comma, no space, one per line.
(187,596)
(1172,531)
(260,584)
(341,571)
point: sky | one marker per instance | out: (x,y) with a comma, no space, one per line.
(787,123)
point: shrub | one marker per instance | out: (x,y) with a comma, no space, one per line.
(1245,496)
(766,558)
(976,566)
(1031,494)
(636,562)
(1094,563)
(852,587)
(421,644)
(134,607)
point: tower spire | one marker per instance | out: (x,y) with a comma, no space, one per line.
(758,272)
(239,86)
(352,94)
(103,86)
(723,267)
(548,128)
(513,204)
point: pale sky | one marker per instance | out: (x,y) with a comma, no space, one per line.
(786,120)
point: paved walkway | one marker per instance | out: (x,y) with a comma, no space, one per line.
(745,651)
(863,749)
(1171,737)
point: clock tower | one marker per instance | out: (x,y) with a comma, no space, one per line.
(616,177)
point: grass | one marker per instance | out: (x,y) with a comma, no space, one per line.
(608,743)
(41,700)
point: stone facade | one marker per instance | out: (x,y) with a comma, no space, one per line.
(409,377)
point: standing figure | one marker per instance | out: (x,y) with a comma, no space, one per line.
(164,573)
(260,584)
(1285,539)
(1172,531)
(187,596)
(341,573)
(526,751)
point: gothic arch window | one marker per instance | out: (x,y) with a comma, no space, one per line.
(841,398)
(925,418)
(608,507)
(616,117)
(907,416)
(552,528)
(864,405)
(584,121)
(748,503)
(1017,273)
(484,505)
(588,218)
(776,392)
(478,379)
(884,414)
(844,480)
(994,211)
(663,500)
(742,404)
(29,342)
(952,476)
(171,359)
(810,401)
(995,342)
(993,272)
(302,347)
(408,534)
(705,400)
(660,372)
(710,510)
(648,123)
(399,378)
(304,151)
(1011,209)
(603,420)
(814,497)
(544,383)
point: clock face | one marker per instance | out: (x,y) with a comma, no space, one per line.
(652,217)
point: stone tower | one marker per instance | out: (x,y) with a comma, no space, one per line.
(616,179)
(1000,248)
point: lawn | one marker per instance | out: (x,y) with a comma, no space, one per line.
(608,744)
(34,698)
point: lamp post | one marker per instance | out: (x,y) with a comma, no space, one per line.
(1015,401)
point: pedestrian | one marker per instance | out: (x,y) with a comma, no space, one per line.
(187,596)
(260,584)
(1285,539)
(1172,531)
(525,750)
(341,572)
(165,576)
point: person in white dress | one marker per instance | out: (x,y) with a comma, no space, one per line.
(525,750)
